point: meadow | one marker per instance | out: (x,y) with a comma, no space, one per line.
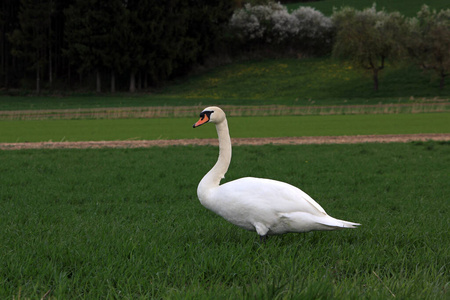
(181,128)
(106,224)
(283,81)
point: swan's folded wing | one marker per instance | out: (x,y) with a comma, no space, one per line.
(266,193)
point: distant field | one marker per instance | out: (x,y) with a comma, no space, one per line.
(181,128)
(98,224)
(431,106)
(408,8)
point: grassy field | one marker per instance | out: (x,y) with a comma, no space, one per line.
(126,223)
(313,81)
(92,224)
(181,128)
(408,8)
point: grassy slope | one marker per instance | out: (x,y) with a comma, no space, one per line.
(127,224)
(281,81)
(408,8)
(302,82)
(181,128)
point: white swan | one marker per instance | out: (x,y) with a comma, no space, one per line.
(268,206)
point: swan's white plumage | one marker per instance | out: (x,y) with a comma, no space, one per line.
(262,205)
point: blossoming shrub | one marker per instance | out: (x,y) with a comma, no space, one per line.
(254,23)
(305,29)
(315,32)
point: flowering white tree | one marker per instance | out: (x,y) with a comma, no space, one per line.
(255,22)
(304,28)
(246,25)
(315,30)
(284,25)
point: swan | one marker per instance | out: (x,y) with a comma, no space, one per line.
(266,206)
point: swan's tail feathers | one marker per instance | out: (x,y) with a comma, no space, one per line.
(304,222)
(348,224)
(337,224)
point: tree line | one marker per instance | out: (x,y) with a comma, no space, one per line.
(369,38)
(132,44)
(68,42)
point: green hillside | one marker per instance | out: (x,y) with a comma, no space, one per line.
(314,81)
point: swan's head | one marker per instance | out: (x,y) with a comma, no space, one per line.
(211,114)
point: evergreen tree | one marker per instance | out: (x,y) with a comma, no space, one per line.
(31,41)
(114,58)
(58,62)
(136,36)
(9,11)
(149,41)
(205,29)
(88,34)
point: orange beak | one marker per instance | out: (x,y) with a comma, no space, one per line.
(204,119)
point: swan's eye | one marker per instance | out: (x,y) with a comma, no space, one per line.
(206,113)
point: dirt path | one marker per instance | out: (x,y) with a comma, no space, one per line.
(236,141)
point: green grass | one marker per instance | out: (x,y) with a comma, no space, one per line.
(407,8)
(303,82)
(94,224)
(71,101)
(313,81)
(181,128)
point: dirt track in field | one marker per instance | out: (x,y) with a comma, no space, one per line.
(403,138)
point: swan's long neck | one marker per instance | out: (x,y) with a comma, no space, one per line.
(213,177)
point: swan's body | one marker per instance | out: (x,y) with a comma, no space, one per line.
(263,205)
